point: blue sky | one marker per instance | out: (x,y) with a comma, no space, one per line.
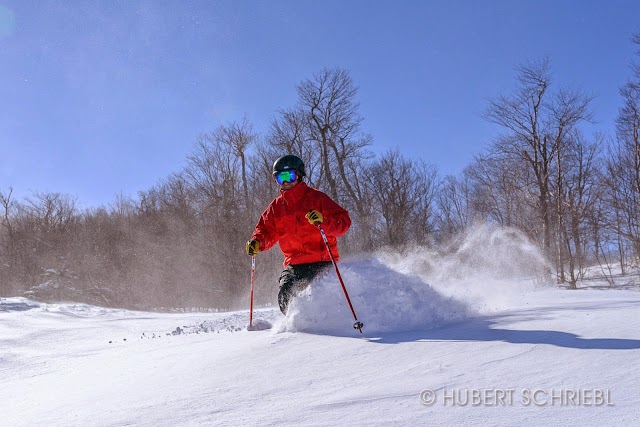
(105,97)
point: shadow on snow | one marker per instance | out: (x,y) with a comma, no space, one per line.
(486,329)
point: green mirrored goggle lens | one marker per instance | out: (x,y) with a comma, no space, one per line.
(286,176)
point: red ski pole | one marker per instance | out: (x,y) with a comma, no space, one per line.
(358,325)
(253,275)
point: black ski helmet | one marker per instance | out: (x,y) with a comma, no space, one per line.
(289,162)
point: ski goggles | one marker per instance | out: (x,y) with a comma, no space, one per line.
(286,176)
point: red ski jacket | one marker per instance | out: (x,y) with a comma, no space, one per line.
(283,222)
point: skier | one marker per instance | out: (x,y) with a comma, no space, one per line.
(292,219)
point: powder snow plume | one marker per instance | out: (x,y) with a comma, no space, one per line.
(488,267)
(384,299)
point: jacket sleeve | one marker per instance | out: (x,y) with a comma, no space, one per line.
(265,231)
(336,219)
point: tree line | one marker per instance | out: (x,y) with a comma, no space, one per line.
(180,243)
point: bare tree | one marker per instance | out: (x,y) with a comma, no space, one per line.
(328,102)
(538,123)
(403,192)
(622,199)
(324,129)
(624,163)
(576,191)
(501,191)
(51,212)
(6,204)
(331,111)
(7,241)
(239,137)
(453,206)
(122,207)
(290,134)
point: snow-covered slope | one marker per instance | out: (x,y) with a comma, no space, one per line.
(548,357)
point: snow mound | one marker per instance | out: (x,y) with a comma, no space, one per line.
(385,300)
(260,325)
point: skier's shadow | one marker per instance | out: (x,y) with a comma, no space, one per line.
(484,330)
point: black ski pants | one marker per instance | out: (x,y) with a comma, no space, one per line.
(295,279)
